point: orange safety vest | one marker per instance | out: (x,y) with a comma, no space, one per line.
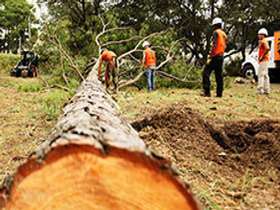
(108,56)
(150,58)
(262,49)
(221,43)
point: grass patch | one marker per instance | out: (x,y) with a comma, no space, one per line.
(30,87)
(240,102)
(211,205)
(53,103)
(7,62)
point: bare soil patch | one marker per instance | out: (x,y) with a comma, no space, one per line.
(231,165)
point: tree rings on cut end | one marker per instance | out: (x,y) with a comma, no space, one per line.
(81,177)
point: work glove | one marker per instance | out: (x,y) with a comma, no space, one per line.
(208,60)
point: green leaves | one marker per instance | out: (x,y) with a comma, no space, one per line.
(14,17)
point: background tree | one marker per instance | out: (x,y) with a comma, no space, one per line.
(78,23)
(14,19)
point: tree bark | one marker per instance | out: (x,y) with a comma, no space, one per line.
(94,160)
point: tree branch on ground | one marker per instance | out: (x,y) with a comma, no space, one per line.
(139,43)
(170,76)
(169,56)
(55,41)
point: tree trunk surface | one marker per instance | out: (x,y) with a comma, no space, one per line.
(94,160)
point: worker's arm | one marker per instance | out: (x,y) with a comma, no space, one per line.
(100,61)
(226,38)
(267,49)
(215,40)
(156,59)
(144,58)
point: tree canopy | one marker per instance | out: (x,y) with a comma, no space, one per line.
(188,19)
(14,17)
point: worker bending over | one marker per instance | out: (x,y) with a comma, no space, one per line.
(215,60)
(110,58)
(263,58)
(149,61)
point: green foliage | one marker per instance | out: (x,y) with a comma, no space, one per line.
(233,68)
(184,71)
(54,63)
(30,87)
(190,20)
(7,62)
(14,19)
(53,103)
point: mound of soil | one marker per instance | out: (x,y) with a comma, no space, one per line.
(181,133)
(235,165)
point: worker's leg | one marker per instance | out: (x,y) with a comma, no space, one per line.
(149,79)
(153,79)
(261,75)
(219,75)
(206,78)
(266,79)
(107,76)
(114,78)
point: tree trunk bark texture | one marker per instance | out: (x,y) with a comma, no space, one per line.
(94,160)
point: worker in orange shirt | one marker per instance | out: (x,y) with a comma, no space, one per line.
(149,61)
(263,58)
(216,59)
(110,58)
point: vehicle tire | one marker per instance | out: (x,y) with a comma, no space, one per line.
(24,73)
(249,72)
(13,73)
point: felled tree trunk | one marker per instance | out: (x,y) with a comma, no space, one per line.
(94,160)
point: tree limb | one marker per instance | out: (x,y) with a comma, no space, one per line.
(164,74)
(132,81)
(120,41)
(139,43)
(63,52)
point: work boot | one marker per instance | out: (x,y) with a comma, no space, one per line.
(204,94)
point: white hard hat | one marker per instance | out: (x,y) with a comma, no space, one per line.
(217,21)
(263,31)
(146,43)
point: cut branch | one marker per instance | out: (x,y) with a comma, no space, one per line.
(132,81)
(55,41)
(120,41)
(170,76)
(139,43)
(169,57)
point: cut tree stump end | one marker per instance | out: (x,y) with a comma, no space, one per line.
(82,177)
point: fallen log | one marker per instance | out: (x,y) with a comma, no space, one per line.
(94,160)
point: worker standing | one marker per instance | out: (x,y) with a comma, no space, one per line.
(263,58)
(216,59)
(110,58)
(149,61)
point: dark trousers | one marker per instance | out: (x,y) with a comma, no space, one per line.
(215,64)
(111,71)
(150,73)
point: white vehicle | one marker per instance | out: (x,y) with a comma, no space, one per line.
(250,66)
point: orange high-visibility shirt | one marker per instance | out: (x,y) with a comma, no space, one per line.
(263,48)
(220,44)
(108,56)
(150,58)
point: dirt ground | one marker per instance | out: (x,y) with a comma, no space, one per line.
(234,166)
(23,122)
